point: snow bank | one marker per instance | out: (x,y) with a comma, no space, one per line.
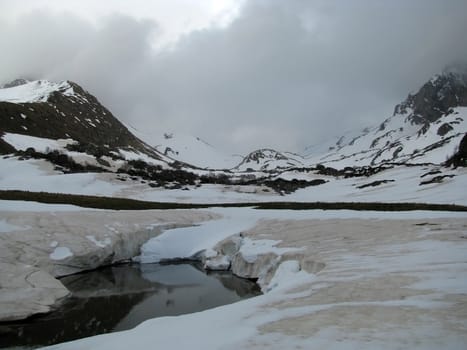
(386,285)
(186,243)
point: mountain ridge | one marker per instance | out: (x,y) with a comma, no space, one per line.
(65,125)
(426,127)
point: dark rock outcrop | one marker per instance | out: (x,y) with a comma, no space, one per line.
(460,157)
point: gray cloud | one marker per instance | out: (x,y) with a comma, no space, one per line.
(283,74)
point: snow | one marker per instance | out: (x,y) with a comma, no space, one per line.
(189,149)
(34,91)
(432,260)
(189,241)
(333,308)
(23,206)
(286,271)
(250,249)
(60,253)
(39,175)
(130,155)
(406,188)
(360,150)
(40,144)
(100,243)
(6,227)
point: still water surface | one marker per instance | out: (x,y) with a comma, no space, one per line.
(121,297)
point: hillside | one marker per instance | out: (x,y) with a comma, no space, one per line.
(427,127)
(188,149)
(43,117)
(58,137)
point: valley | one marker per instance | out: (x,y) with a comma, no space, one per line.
(366,235)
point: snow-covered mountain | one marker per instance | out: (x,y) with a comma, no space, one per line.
(188,149)
(63,125)
(43,117)
(425,128)
(267,159)
(62,128)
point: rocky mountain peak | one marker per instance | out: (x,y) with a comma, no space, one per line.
(426,127)
(436,97)
(268,153)
(268,159)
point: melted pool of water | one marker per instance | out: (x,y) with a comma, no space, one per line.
(121,297)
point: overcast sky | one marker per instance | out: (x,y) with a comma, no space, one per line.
(239,74)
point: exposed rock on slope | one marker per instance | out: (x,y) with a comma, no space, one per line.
(268,160)
(460,157)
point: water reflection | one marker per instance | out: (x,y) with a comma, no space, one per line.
(121,297)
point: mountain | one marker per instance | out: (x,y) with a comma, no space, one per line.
(61,124)
(267,159)
(425,128)
(43,117)
(188,149)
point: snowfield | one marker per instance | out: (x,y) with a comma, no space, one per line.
(403,185)
(40,144)
(342,280)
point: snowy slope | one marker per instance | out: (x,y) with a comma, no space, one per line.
(40,144)
(188,149)
(425,128)
(39,115)
(397,184)
(34,91)
(399,142)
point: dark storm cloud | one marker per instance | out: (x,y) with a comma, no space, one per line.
(285,73)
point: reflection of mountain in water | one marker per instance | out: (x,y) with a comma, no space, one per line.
(121,297)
